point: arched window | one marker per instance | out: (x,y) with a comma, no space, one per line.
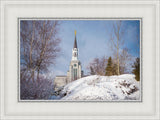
(75,74)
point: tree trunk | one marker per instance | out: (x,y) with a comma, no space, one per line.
(118,61)
(38,74)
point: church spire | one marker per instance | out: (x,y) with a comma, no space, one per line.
(75,41)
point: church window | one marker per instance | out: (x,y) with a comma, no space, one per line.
(75,74)
(75,54)
(75,65)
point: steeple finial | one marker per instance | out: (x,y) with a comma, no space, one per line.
(75,32)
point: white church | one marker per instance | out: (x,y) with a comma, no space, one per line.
(75,70)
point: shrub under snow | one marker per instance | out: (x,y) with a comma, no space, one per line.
(39,90)
(123,87)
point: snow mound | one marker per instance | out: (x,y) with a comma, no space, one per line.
(109,88)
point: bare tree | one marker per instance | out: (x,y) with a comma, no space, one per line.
(48,48)
(98,66)
(117,41)
(124,59)
(39,46)
(27,37)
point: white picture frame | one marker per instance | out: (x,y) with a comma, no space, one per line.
(149,108)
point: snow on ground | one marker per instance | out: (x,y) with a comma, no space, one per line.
(122,87)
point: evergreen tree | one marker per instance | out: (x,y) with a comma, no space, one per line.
(136,69)
(109,68)
(92,71)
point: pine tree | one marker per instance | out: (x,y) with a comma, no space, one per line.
(136,69)
(109,68)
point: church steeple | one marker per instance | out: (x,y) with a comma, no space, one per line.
(75,41)
(75,49)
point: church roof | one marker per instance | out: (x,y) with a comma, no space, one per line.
(61,76)
(75,41)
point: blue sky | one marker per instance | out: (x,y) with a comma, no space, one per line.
(93,39)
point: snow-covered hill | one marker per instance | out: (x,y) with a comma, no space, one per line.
(123,87)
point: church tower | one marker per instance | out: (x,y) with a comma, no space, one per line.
(74,72)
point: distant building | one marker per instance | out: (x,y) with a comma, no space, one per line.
(75,70)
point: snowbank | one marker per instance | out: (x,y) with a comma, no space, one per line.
(123,87)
